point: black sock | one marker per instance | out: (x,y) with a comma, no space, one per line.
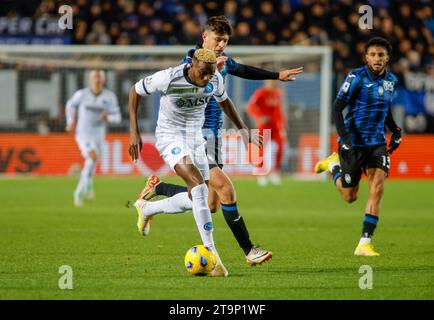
(237,225)
(169,190)
(336,173)
(369,224)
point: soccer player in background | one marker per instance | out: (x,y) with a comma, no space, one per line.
(87,114)
(265,106)
(221,190)
(367,94)
(185,91)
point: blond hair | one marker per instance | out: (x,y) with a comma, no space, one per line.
(205,55)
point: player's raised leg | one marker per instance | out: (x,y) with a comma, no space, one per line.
(348,188)
(222,185)
(376,179)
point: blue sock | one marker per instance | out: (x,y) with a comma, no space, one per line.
(336,173)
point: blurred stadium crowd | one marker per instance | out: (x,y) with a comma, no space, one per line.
(408,24)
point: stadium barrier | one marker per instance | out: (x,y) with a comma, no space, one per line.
(58,154)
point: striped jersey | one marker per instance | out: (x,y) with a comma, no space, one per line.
(213,114)
(368,99)
(182,103)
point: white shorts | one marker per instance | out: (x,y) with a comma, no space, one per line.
(87,145)
(174,148)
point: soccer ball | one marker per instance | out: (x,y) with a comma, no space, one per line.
(199,260)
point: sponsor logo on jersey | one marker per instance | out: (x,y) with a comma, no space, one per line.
(181,102)
(388,85)
(176,150)
(192,102)
(94,108)
(208,226)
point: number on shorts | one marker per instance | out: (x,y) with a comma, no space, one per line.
(386,161)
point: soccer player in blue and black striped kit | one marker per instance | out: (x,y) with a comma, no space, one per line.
(367,94)
(221,190)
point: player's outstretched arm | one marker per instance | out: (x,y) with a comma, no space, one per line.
(253,73)
(135,139)
(229,109)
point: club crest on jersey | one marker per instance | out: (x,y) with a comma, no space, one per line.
(347,178)
(380,90)
(208,226)
(388,85)
(209,87)
(176,150)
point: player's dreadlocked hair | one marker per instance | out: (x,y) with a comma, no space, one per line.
(381,42)
(205,55)
(220,25)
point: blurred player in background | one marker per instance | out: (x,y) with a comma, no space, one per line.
(221,190)
(185,91)
(265,106)
(87,114)
(367,95)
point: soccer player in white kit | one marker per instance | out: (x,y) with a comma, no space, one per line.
(87,114)
(185,90)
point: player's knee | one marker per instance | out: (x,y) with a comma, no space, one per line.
(93,155)
(214,207)
(350,197)
(227,194)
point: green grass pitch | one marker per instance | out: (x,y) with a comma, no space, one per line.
(310,230)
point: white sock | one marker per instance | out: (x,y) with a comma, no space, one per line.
(332,165)
(202,215)
(86,176)
(364,241)
(176,204)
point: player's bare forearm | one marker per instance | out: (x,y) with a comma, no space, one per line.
(229,109)
(135,140)
(232,113)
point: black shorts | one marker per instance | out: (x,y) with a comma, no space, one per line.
(356,162)
(214,152)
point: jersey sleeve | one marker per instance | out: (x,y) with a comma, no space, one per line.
(349,87)
(231,65)
(158,82)
(220,93)
(114,112)
(72,107)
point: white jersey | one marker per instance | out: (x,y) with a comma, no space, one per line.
(88,107)
(182,103)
